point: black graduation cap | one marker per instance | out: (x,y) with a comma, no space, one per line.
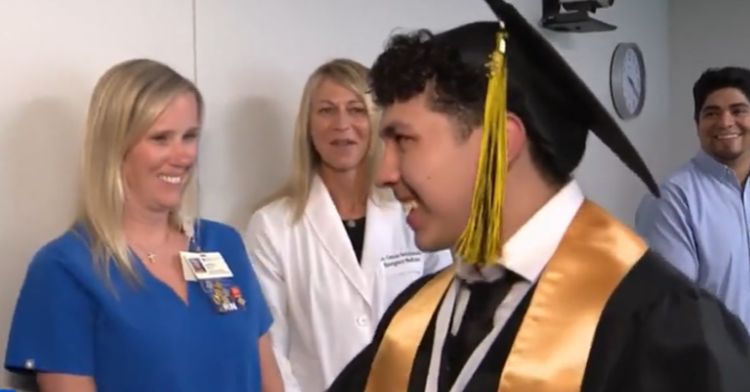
(560,110)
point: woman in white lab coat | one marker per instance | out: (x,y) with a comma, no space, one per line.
(330,250)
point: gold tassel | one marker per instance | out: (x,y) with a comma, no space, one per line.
(480,242)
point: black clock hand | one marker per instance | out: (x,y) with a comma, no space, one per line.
(632,84)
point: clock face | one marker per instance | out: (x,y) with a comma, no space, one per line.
(628,80)
(631,80)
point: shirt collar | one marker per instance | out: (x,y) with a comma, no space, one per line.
(713,167)
(527,252)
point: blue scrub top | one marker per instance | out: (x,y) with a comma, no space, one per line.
(137,337)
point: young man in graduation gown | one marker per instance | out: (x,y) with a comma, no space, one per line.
(483,125)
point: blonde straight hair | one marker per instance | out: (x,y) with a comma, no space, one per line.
(125,103)
(306,160)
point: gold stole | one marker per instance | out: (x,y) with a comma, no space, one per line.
(551,349)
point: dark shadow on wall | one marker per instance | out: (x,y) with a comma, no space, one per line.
(40,156)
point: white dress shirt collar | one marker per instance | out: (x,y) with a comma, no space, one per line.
(527,252)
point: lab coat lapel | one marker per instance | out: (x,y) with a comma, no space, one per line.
(378,242)
(327,226)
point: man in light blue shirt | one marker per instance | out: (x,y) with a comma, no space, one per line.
(700,223)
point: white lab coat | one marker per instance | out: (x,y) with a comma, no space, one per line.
(325,305)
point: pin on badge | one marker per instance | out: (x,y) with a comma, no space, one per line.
(237,296)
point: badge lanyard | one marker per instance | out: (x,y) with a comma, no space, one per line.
(516,294)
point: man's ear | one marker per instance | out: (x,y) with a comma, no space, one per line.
(516,133)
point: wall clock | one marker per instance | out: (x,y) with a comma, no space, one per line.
(627,80)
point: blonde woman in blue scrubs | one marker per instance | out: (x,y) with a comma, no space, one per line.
(110,305)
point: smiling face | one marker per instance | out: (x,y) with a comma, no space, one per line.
(431,167)
(158,166)
(339,126)
(723,124)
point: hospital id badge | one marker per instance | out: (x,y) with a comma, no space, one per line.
(224,294)
(204,266)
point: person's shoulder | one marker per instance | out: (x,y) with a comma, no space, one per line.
(212,226)
(675,189)
(659,319)
(661,297)
(653,283)
(272,220)
(212,234)
(280,206)
(653,269)
(687,176)
(278,210)
(70,250)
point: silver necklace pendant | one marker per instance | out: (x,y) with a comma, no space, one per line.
(351,223)
(151,257)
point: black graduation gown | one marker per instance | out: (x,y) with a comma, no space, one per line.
(657,332)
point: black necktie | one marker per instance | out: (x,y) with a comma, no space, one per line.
(477,322)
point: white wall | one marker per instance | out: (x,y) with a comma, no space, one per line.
(645,22)
(52,53)
(702,34)
(254,56)
(251,60)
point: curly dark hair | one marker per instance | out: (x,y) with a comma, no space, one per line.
(412,64)
(417,62)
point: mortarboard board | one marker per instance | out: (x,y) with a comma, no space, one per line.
(560,110)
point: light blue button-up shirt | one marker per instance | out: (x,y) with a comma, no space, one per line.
(700,225)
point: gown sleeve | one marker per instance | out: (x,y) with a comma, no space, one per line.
(688,341)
